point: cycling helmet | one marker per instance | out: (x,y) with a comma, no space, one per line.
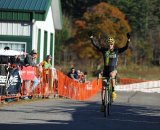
(110,40)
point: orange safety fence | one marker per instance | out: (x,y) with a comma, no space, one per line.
(55,82)
(44,88)
(79,91)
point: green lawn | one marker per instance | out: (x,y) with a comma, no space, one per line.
(131,71)
(140,72)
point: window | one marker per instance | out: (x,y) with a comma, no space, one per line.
(18,46)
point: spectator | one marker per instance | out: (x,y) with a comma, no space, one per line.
(30,60)
(72,74)
(78,74)
(55,82)
(16,60)
(5,59)
(46,64)
(85,76)
(14,81)
(81,77)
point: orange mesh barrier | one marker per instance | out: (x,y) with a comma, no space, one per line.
(79,91)
(47,85)
(63,86)
(130,81)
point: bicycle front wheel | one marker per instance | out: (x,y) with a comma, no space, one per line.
(106,104)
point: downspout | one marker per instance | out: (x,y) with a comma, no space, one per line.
(53,52)
(34,34)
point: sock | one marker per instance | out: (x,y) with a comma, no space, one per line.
(113,89)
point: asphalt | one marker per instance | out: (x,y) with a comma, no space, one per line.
(131,110)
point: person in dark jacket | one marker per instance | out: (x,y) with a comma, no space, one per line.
(72,74)
(110,58)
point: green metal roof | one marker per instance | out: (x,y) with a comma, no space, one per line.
(24,9)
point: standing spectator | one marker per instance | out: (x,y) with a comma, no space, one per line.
(14,81)
(5,60)
(16,60)
(55,82)
(46,64)
(30,60)
(85,77)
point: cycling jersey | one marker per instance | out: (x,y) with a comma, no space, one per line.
(110,57)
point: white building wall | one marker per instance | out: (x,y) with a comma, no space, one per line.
(48,24)
(48,44)
(42,45)
(57,14)
(31,29)
(15,29)
(53,48)
(44,26)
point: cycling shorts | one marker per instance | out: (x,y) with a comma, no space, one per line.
(107,70)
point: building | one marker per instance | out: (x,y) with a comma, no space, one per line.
(30,24)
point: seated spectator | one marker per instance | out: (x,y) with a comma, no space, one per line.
(72,74)
(82,77)
(78,74)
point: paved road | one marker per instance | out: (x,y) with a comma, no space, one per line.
(131,111)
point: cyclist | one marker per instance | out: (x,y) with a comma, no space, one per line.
(110,57)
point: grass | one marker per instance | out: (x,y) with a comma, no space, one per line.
(136,72)
(130,71)
(140,72)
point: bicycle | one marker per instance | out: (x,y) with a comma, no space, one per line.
(107,96)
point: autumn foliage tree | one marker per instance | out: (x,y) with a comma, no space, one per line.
(103,20)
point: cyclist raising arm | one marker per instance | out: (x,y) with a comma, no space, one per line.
(110,57)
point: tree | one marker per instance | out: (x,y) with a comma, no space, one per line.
(103,19)
(143,17)
(61,36)
(76,8)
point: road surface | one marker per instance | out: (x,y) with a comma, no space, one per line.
(131,111)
